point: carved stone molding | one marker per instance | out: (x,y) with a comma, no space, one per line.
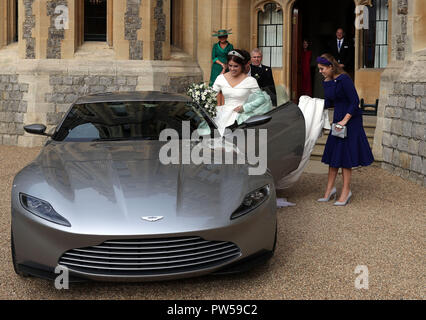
(260,6)
(363,3)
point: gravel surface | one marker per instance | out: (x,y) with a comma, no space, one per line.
(319,247)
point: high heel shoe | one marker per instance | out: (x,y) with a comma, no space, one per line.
(333,193)
(342,204)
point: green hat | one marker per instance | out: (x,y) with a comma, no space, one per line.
(222,32)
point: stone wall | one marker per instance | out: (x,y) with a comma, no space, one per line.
(404,131)
(12,108)
(55,36)
(180,84)
(66,89)
(132,24)
(160,32)
(28,26)
(42,92)
(401,36)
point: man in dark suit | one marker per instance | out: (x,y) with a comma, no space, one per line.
(263,75)
(343,50)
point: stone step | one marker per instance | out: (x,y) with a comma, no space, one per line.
(323,139)
(369,128)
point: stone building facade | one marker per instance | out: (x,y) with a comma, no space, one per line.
(47,59)
(400,138)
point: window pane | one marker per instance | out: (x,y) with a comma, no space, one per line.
(271,36)
(129,120)
(265,17)
(261,36)
(279,35)
(381,59)
(382,10)
(277,17)
(266,56)
(277,57)
(381,32)
(375,38)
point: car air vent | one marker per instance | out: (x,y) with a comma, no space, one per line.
(150,257)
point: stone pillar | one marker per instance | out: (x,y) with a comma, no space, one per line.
(236,16)
(3,24)
(419,25)
(185,25)
(156,29)
(57,46)
(401,125)
(128,24)
(162,30)
(27,34)
(209,19)
(133,32)
(121,45)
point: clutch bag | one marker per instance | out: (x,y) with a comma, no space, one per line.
(343,133)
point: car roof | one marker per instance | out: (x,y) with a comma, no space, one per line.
(132,96)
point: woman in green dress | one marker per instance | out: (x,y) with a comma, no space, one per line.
(220,54)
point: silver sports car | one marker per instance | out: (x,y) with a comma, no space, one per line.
(98,200)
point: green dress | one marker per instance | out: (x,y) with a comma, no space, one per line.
(219,54)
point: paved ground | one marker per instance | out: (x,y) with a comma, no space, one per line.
(319,247)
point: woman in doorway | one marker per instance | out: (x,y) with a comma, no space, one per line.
(349,152)
(219,54)
(306,89)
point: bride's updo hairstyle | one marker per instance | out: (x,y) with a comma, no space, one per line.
(239,57)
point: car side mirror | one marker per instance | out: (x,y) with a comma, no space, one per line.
(39,129)
(257,120)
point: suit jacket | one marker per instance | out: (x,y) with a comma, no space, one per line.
(265,79)
(346,54)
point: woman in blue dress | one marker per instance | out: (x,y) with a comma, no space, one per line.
(220,54)
(354,150)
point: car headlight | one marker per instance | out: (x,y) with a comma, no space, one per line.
(42,209)
(252,201)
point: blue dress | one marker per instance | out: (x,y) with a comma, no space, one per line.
(354,150)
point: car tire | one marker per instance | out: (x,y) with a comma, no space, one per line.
(15,265)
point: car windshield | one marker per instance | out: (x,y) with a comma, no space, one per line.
(134,120)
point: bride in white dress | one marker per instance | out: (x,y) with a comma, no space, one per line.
(236,87)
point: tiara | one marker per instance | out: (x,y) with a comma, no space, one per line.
(236,54)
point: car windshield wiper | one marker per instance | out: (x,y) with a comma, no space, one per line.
(125,139)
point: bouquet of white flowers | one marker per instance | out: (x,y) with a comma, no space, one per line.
(204,96)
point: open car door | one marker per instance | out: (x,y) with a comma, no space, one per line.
(285,137)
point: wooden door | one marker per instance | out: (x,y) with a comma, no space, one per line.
(296,51)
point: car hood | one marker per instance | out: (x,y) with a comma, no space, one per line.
(108,188)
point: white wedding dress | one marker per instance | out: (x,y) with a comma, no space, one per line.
(234,97)
(316,118)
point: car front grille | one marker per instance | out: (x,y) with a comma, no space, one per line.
(150,257)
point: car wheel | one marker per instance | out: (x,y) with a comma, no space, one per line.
(15,265)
